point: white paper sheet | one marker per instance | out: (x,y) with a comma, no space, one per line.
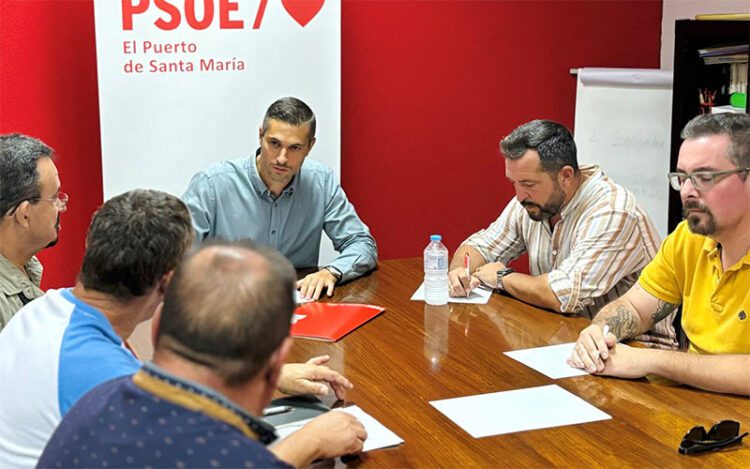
(548,360)
(378,435)
(478,296)
(518,410)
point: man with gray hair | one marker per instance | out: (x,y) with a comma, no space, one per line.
(703,265)
(220,340)
(30,204)
(586,237)
(282,199)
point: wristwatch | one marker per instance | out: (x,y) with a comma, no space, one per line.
(500,274)
(334,271)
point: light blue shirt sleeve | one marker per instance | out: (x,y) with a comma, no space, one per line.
(358,253)
(200,199)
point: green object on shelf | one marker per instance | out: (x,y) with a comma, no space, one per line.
(738,100)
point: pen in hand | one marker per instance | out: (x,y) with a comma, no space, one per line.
(605,332)
(467,266)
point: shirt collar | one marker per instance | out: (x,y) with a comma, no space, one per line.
(591,174)
(202,399)
(713,251)
(260,186)
(12,279)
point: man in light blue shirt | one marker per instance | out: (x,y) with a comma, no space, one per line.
(281,199)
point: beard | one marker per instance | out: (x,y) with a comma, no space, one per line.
(549,209)
(695,222)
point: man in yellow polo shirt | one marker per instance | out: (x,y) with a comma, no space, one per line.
(704,265)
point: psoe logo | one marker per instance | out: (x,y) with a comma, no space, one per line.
(200,14)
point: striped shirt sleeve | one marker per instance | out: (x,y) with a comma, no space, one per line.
(502,241)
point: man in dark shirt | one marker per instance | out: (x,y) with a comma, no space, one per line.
(212,374)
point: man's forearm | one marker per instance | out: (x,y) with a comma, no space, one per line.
(476,259)
(357,258)
(296,450)
(622,319)
(719,373)
(532,289)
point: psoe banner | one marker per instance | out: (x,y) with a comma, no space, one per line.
(185,83)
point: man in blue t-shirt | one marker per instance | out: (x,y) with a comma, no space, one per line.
(65,343)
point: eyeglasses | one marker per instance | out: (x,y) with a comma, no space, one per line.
(721,435)
(701,180)
(60,200)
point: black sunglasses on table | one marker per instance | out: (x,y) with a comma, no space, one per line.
(721,435)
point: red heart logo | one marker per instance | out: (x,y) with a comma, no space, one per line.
(303,11)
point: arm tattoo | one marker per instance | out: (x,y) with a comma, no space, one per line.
(622,324)
(663,309)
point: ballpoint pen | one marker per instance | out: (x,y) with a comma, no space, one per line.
(467,266)
(281,409)
(605,331)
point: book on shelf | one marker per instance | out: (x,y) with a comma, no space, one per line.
(724,50)
(330,321)
(727,109)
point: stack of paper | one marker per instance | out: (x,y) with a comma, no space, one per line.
(549,360)
(378,435)
(478,296)
(518,410)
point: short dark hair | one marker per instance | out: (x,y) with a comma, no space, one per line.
(734,126)
(135,239)
(228,306)
(292,111)
(551,140)
(19,177)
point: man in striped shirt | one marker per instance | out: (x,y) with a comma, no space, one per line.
(586,237)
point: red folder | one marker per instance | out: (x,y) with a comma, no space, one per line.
(331,321)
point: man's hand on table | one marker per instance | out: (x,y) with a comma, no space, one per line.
(460,284)
(312,377)
(592,349)
(312,285)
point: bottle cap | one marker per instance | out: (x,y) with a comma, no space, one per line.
(436,238)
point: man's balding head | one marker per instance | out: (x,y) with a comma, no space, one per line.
(228,307)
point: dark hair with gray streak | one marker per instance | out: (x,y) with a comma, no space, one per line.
(228,307)
(551,140)
(135,239)
(735,126)
(19,178)
(292,111)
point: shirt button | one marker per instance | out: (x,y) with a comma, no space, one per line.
(273,232)
(276,204)
(554,252)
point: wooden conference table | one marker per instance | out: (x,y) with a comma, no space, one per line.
(415,353)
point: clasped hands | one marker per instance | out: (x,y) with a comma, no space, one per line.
(460,284)
(602,355)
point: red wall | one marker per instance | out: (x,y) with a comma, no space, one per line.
(429,88)
(48,90)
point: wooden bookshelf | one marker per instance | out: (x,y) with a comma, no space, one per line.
(692,75)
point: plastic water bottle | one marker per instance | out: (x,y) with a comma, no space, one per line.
(436,272)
